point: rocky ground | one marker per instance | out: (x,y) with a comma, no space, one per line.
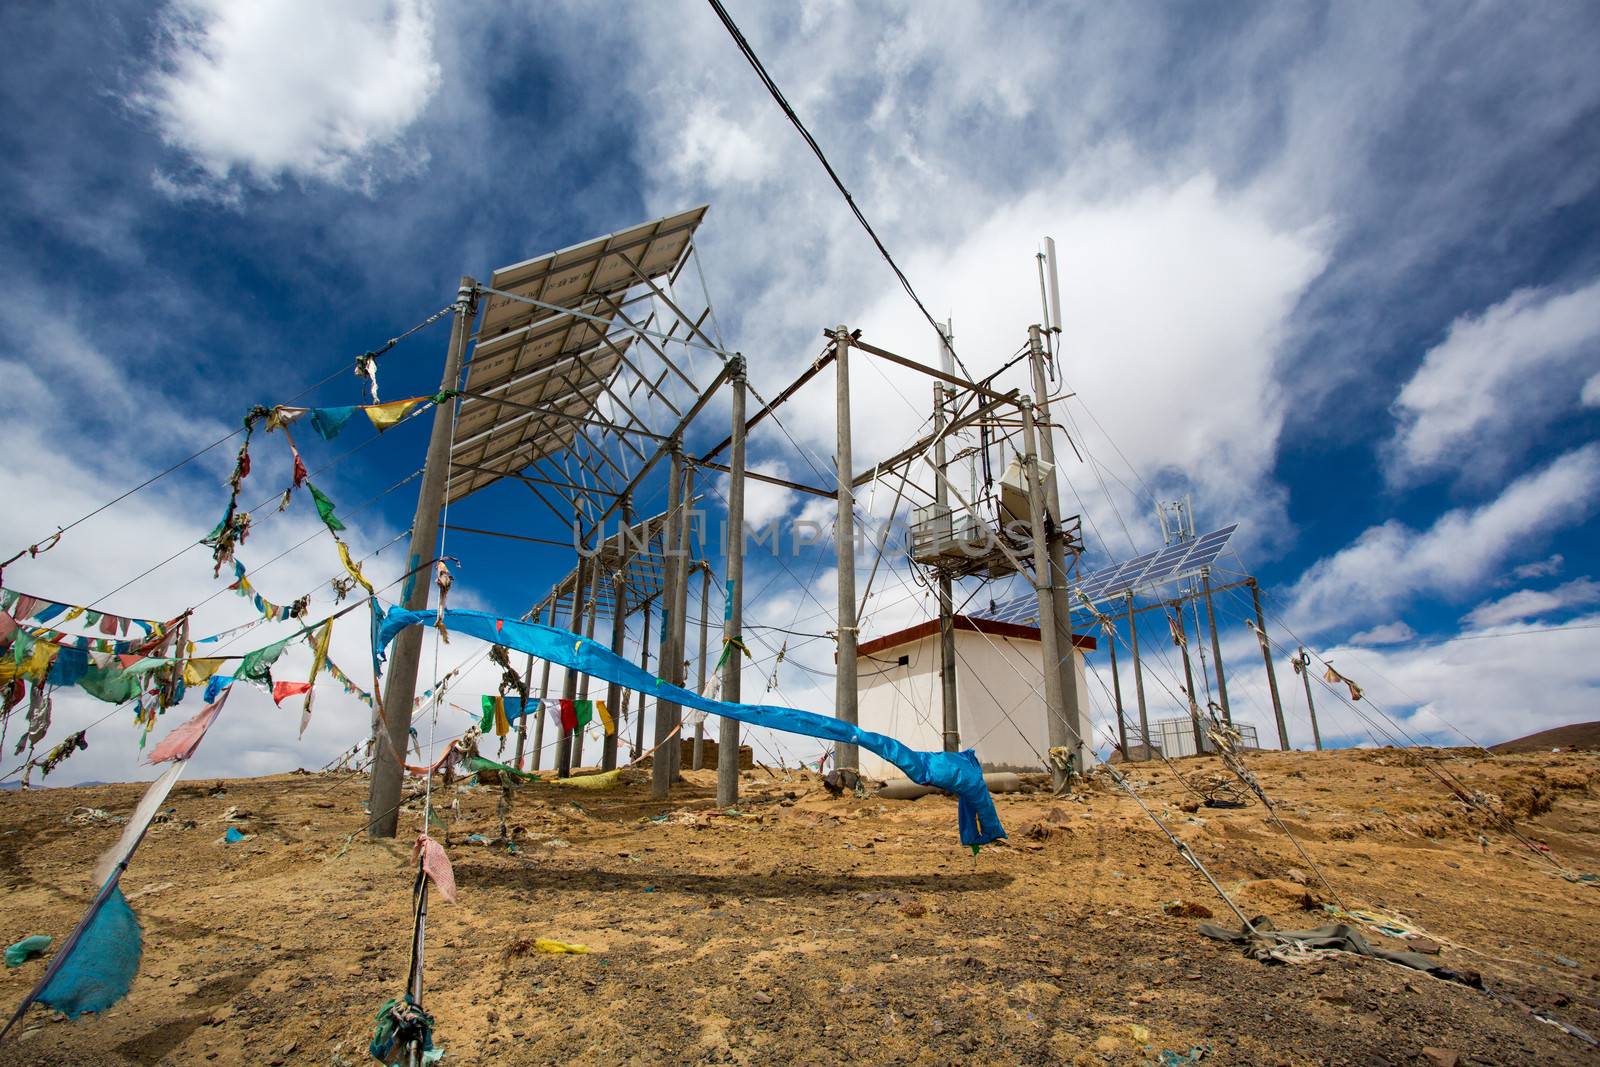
(800,928)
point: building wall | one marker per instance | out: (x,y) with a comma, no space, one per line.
(999,695)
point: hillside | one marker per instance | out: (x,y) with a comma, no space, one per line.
(800,928)
(1578,735)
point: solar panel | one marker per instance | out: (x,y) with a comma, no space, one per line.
(1151,569)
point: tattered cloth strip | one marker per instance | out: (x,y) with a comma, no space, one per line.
(96,964)
(1267,945)
(319,656)
(257,666)
(182,741)
(474,764)
(75,743)
(349,686)
(354,568)
(956,772)
(44,610)
(436,864)
(402,1024)
(1334,678)
(268,609)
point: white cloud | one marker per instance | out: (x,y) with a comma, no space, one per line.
(1494,382)
(1389,633)
(290,88)
(1590,396)
(1542,568)
(1389,564)
(1532,603)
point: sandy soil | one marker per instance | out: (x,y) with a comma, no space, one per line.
(807,929)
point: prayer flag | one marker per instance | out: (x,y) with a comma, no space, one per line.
(282,691)
(569,715)
(354,568)
(436,863)
(605,718)
(325,508)
(329,421)
(384,416)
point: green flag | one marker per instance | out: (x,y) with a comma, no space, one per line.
(325,508)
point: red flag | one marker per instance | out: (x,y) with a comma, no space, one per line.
(437,864)
(282,691)
(569,715)
(299,466)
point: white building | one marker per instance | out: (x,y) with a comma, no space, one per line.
(999,693)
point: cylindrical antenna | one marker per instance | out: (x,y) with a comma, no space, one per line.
(1055,284)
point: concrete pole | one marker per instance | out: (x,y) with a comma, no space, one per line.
(660,768)
(583,679)
(705,621)
(544,688)
(1138,678)
(1188,679)
(733,612)
(1116,695)
(1060,576)
(846,757)
(644,663)
(619,634)
(383,799)
(947,622)
(1062,734)
(1272,673)
(1216,648)
(1311,705)
(569,684)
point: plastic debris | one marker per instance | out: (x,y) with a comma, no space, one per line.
(26,949)
(233,836)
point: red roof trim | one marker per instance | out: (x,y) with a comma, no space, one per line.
(1082,642)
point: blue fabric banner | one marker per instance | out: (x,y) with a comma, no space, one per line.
(956,772)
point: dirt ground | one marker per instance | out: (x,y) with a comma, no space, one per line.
(800,928)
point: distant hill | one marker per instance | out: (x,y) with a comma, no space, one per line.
(1577,735)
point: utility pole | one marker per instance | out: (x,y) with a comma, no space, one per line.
(1138,677)
(660,769)
(388,770)
(1311,705)
(846,757)
(705,614)
(733,611)
(619,634)
(1049,634)
(1216,647)
(1067,666)
(947,622)
(1188,678)
(569,684)
(1266,659)
(544,687)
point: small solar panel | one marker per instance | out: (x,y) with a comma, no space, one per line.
(1153,568)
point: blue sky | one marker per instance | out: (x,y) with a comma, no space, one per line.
(1329,269)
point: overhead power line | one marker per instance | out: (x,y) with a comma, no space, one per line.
(816,149)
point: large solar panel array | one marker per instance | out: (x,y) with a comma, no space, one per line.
(1153,568)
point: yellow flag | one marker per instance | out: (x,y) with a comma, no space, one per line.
(605,718)
(384,416)
(502,725)
(198,671)
(354,568)
(319,656)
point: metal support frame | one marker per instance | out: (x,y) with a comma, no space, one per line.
(1188,678)
(1138,677)
(951,717)
(1216,647)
